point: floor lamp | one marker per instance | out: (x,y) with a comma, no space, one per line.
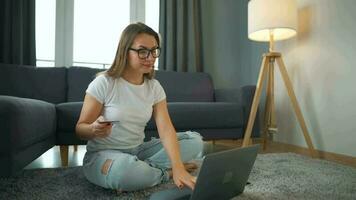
(270,21)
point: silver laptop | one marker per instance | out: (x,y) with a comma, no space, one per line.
(223,175)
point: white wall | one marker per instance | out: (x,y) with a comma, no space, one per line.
(321,62)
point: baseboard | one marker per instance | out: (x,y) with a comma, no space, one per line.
(339,158)
(278,147)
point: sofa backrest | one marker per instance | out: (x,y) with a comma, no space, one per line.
(60,84)
(186,86)
(78,80)
(43,83)
(179,86)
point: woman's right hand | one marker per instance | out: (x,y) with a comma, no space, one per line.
(101,129)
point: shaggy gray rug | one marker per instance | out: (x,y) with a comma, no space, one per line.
(274,176)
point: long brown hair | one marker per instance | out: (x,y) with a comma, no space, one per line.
(127,37)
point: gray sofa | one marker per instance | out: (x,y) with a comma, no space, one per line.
(39,108)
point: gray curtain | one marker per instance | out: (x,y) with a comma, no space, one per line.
(17,32)
(180,29)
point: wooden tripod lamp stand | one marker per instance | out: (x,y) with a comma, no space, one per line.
(269,21)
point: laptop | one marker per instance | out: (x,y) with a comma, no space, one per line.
(223,175)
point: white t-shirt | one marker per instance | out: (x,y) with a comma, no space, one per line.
(131,104)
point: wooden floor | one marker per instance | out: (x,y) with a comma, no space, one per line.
(51,158)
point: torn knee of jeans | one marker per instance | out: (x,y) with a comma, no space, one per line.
(106,166)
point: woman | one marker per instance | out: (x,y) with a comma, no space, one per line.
(117,157)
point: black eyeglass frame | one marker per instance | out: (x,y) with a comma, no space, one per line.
(150,51)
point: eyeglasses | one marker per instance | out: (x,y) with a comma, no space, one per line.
(145,53)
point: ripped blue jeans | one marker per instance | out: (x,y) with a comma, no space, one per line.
(140,167)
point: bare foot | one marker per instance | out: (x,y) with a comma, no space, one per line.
(190,167)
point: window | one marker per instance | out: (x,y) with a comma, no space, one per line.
(97,26)
(152,18)
(152,14)
(45,32)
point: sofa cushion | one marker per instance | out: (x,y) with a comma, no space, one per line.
(203,115)
(207,134)
(186,86)
(78,81)
(68,115)
(185,116)
(43,83)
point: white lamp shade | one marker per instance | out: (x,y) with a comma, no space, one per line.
(272,16)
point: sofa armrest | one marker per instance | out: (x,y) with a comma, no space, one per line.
(243,96)
(24,122)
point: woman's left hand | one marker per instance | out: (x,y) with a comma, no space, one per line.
(181,177)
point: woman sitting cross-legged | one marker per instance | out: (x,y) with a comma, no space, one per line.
(117,156)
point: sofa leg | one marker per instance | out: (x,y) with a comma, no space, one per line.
(64,155)
(75,148)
